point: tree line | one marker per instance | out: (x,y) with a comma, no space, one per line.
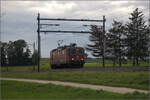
(123,42)
(17,53)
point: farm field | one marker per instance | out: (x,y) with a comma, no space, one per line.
(24,90)
(139,80)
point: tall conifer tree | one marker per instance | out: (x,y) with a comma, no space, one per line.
(116,41)
(97,37)
(137,37)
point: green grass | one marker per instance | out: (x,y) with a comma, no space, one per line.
(92,65)
(43,66)
(109,63)
(91,60)
(24,90)
(139,80)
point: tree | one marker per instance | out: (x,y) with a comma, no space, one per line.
(18,53)
(26,57)
(20,46)
(15,53)
(116,42)
(11,55)
(97,37)
(34,58)
(137,37)
(3,48)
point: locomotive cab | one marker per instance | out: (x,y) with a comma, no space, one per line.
(76,56)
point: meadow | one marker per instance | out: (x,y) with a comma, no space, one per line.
(26,91)
(139,80)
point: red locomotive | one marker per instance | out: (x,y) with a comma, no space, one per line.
(67,56)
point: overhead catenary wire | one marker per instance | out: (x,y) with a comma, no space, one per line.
(63,19)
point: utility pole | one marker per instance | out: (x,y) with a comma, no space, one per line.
(39,42)
(104,44)
(34,56)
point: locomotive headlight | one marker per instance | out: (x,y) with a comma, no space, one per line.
(72,58)
(82,59)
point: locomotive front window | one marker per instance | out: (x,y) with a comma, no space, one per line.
(72,51)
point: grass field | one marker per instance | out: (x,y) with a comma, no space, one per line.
(109,63)
(23,90)
(138,80)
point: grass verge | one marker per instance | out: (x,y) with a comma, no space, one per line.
(139,80)
(24,90)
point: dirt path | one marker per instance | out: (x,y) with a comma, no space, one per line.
(73,84)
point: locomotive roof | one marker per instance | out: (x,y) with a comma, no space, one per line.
(64,47)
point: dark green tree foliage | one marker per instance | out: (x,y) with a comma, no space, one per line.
(19,51)
(137,37)
(11,53)
(3,48)
(15,53)
(97,38)
(115,42)
(26,57)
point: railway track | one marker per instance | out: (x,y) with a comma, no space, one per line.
(105,69)
(88,69)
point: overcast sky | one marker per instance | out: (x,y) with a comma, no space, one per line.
(19,19)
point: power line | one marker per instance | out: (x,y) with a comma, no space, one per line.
(62,19)
(65,31)
(51,24)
